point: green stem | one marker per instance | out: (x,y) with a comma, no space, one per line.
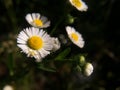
(55,27)
(11,64)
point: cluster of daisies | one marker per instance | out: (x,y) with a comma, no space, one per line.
(34,41)
(37,43)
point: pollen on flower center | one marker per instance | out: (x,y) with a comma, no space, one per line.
(35,42)
(77,3)
(38,22)
(74,36)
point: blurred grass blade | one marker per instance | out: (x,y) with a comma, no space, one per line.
(11,63)
(63,54)
(9,5)
(47,69)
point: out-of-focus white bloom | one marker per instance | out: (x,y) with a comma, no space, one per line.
(88,69)
(75,37)
(56,44)
(79,4)
(8,87)
(35,43)
(36,20)
(62,39)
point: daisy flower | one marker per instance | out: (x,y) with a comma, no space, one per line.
(36,20)
(79,4)
(35,43)
(75,37)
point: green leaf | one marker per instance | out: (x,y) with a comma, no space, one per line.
(63,54)
(42,67)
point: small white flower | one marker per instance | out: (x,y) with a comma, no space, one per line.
(8,87)
(35,43)
(36,20)
(75,37)
(56,44)
(88,69)
(79,4)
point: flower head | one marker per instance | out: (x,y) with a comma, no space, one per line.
(36,20)
(88,69)
(8,87)
(79,4)
(75,37)
(56,44)
(34,42)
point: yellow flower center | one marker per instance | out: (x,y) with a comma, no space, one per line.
(38,22)
(35,42)
(77,3)
(74,36)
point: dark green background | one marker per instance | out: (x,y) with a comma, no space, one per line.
(100,27)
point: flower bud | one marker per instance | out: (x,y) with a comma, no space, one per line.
(8,87)
(82,60)
(88,69)
(70,19)
(56,44)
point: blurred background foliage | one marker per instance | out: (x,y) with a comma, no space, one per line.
(99,26)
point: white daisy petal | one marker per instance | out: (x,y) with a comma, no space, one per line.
(80,44)
(46,36)
(38,58)
(34,16)
(42,33)
(47,24)
(75,37)
(41,53)
(28,18)
(37,15)
(23,35)
(37,45)
(23,47)
(44,19)
(44,53)
(21,41)
(36,32)
(22,38)
(28,32)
